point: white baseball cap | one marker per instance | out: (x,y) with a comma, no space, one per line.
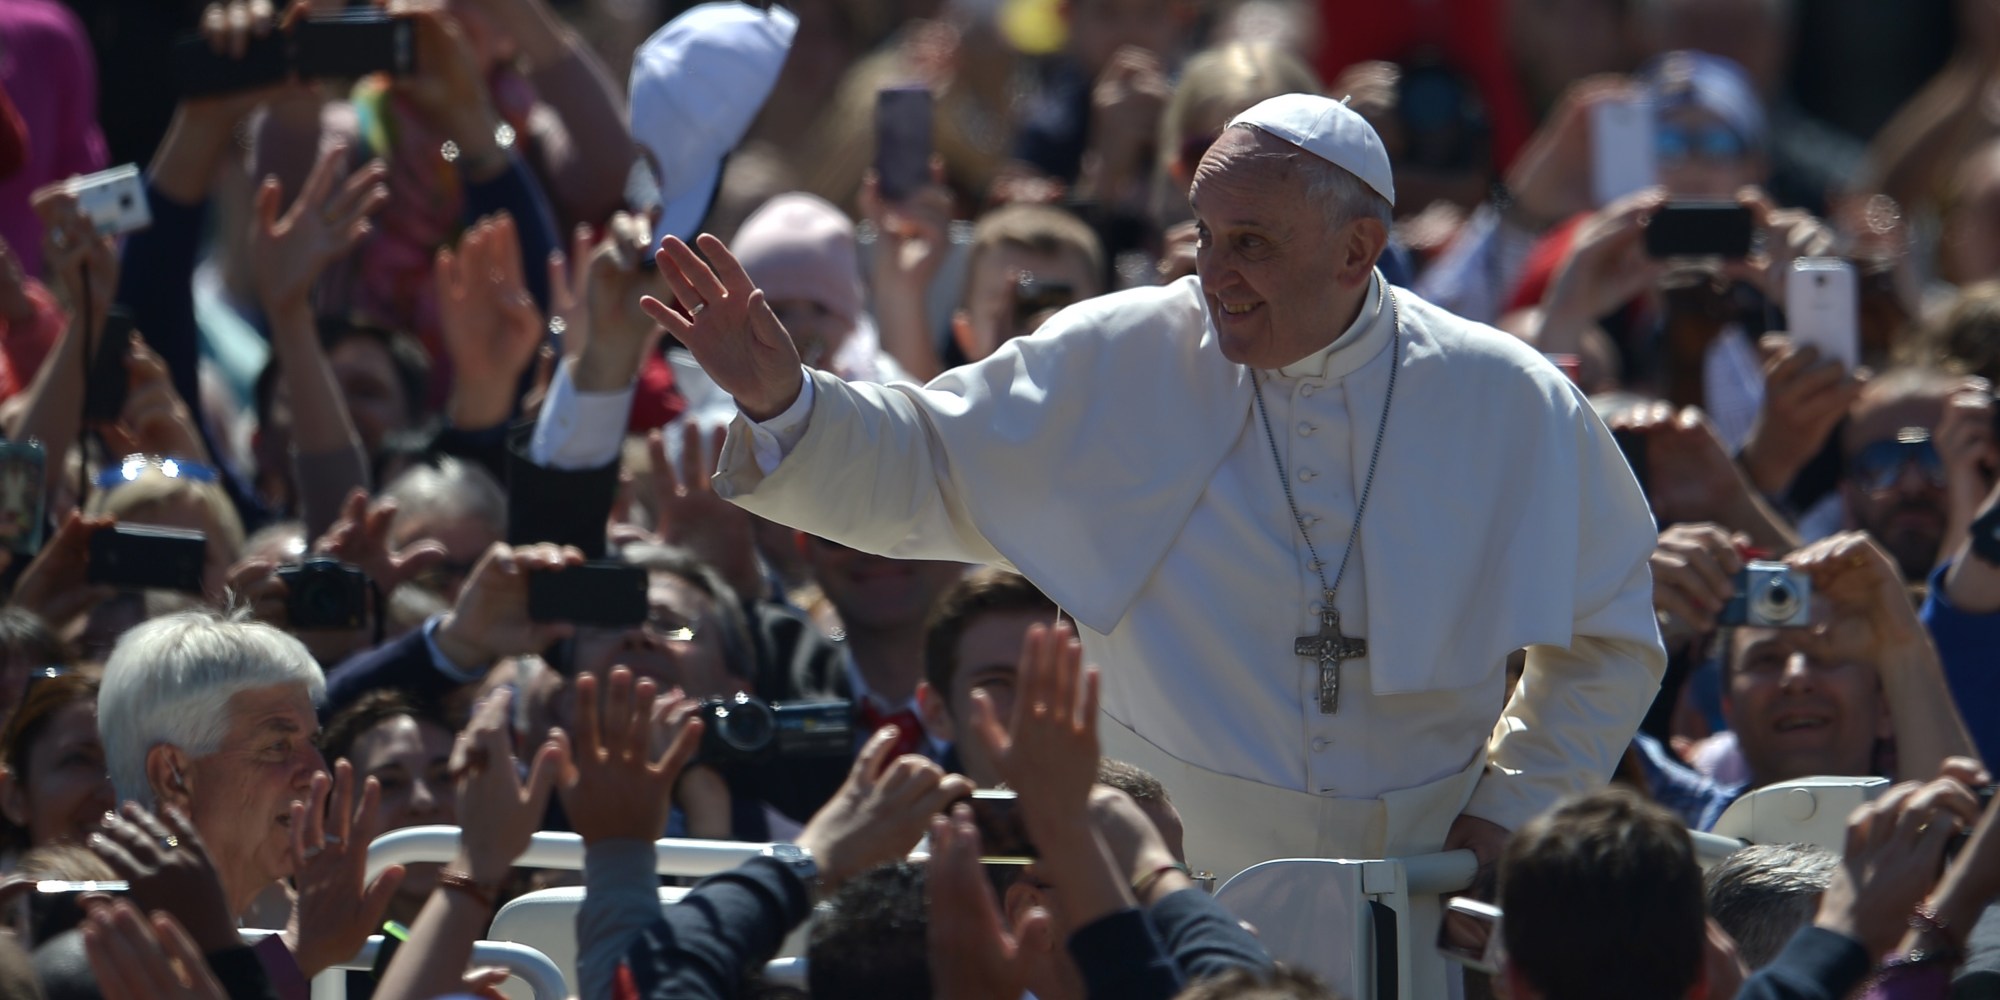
(697,84)
(1330,130)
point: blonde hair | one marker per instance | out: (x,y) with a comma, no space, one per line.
(130,502)
(1236,76)
(1041,229)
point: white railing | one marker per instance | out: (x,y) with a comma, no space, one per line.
(526,964)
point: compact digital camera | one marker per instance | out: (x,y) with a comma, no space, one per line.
(744,728)
(325,594)
(1769,595)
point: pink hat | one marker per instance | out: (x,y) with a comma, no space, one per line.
(798,246)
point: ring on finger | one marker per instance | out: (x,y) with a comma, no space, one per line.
(170,842)
(311,853)
(696,311)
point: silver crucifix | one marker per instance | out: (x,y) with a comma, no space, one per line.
(1331,649)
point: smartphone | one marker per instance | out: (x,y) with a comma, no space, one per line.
(23,493)
(1621,148)
(200,71)
(113,200)
(1469,934)
(1700,229)
(1003,837)
(354,43)
(106,382)
(55,906)
(138,557)
(902,140)
(1958,840)
(1633,445)
(602,594)
(1822,307)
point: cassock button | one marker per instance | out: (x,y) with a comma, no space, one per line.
(1305,429)
(1308,389)
(1321,744)
(1307,475)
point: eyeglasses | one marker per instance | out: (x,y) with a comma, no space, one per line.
(133,466)
(1709,142)
(668,628)
(41,674)
(1877,467)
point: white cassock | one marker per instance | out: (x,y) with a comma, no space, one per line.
(1116,459)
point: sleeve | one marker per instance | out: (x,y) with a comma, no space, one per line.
(517,193)
(156,282)
(281,969)
(564,506)
(1120,956)
(1204,939)
(412,663)
(1816,965)
(1577,708)
(1965,645)
(775,438)
(241,974)
(621,895)
(579,430)
(703,945)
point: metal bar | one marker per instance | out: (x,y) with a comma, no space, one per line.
(439,844)
(1436,874)
(532,967)
(1710,848)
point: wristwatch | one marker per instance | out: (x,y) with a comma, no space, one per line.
(800,862)
(1986,536)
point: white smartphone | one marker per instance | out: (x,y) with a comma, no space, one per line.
(1621,148)
(1822,305)
(113,200)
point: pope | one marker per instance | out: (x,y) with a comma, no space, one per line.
(1302,518)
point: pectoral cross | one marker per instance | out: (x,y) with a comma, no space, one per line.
(1331,649)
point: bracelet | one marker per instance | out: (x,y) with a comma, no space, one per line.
(1145,882)
(1924,917)
(451,878)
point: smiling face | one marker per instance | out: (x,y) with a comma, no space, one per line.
(1796,715)
(1279,282)
(680,645)
(240,797)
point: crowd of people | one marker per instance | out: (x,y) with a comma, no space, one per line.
(294,472)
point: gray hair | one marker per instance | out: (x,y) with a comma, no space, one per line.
(1342,196)
(1764,893)
(169,681)
(452,489)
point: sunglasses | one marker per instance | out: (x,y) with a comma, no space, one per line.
(133,466)
(1710,142)
(1877,467)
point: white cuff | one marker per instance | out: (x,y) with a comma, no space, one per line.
(442,662)
(771,440)
(579,430)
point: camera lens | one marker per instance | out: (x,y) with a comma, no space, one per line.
(745,725)
(1778,601)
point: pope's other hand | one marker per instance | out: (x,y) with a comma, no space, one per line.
(728,326)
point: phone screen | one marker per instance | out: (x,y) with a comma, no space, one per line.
(1469,934)
(1003,838)
(902,140)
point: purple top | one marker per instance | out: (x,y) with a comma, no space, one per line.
(49,72)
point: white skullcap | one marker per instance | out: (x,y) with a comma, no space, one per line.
(1329,130)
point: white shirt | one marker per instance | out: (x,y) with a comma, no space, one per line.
(1122,468)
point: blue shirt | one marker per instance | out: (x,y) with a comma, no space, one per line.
(1969,647)
(1698,799)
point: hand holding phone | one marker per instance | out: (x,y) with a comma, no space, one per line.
(1822,308)
(113,200)
(606,594)
(1700,229)
(139,557)
(1622,158)
(1469,934)
(902,140)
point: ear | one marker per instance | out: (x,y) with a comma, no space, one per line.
(13,798)
(1366,239)
(965,335)
(169,775)
(936,713)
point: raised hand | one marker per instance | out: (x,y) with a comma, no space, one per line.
(490,323)
(880,812)
(163,859)
(134,957)
(728,326)
(156,420)
(692,515)
(361,538)
(618,788)
(337,906)
(1965,444)
(56,584)
(490,790)
(617,334)
(71,248)
(1550,180)
(490,619)
(325,221)
(1804,399)
(1868,617)
(1694,575)
(973,954)
(1049,754)
(449,90)
(1895,846)
(1607,267)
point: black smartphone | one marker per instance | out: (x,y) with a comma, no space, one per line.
(23,494)
(325,593)
(1700,229)
(354,43)
(107,383)
(200,71)
(600,594)
(1633,444)
(137,557)
(55,906)
(902,140)
(1003,837)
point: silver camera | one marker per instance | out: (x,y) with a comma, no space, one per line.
(1769,595)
